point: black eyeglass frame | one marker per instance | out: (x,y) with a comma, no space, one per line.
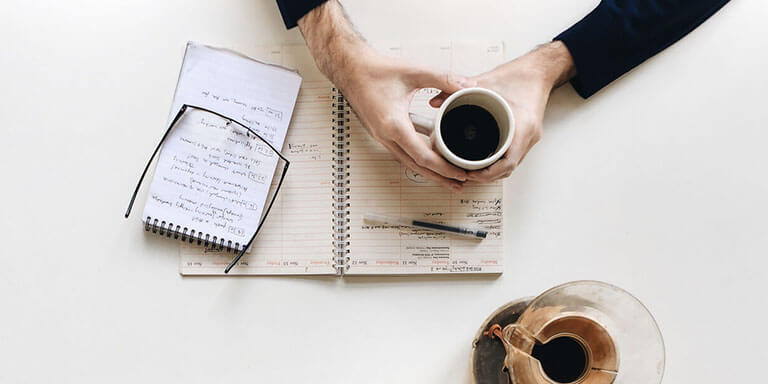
(229,121)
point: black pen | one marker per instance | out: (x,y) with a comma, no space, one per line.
(381,219)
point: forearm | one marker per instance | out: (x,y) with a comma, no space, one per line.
(539,71)
(554,62)
(334,43)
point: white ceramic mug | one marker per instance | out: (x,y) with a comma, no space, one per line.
(481,97)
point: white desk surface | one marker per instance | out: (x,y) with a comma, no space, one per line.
(658,184)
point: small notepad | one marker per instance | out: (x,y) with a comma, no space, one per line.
(212,177)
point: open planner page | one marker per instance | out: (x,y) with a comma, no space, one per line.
(297,235)
(379,184)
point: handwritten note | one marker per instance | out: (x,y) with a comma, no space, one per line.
(260,96)
(213,176)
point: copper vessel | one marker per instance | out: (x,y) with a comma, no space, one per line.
(583,332)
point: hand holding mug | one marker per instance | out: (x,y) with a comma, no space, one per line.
(525,83)
(474,127)
(379,88)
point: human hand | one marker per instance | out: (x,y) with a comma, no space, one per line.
(526,84)
(379,89)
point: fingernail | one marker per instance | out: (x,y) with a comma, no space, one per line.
(468,83)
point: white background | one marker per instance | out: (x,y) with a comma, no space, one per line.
(658,184)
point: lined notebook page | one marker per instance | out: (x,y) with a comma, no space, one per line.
(297,235)
(378,183)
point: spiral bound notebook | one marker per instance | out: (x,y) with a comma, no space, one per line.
(212,179)
(338,173)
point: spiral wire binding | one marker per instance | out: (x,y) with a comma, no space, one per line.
(340,125)
(167,229)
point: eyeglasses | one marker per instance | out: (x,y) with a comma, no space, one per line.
(265,147)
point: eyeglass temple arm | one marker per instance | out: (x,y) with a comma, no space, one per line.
(157,149)
(269,207)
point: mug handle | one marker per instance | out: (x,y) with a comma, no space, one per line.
(424,125)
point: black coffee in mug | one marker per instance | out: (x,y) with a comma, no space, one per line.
(470,132)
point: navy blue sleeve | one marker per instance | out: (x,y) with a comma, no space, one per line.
(618,35)
(293,10)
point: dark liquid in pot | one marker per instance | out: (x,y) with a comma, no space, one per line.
(563,359)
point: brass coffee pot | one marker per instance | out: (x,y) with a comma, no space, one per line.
(583,332)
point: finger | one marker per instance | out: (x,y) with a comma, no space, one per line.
(515,164)
(444,81)
(504,166)
(423,125)
(417,149)
(407,161)
(438,100)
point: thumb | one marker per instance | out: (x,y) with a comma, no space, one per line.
(444,81)
(438,100)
